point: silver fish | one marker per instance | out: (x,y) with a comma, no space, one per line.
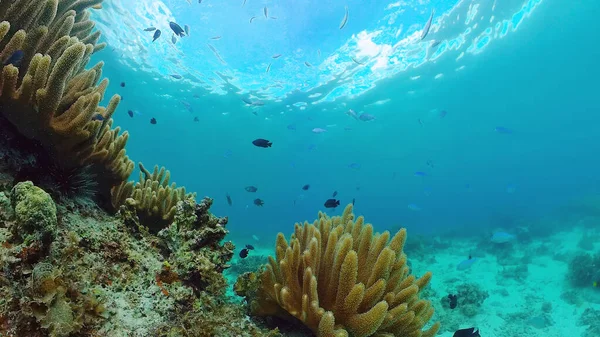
(252,18)
(266,12)
(427,25)
(269,67)
(216,53)
(276,56)
(356,61)
(216,37)
(173,39)
(150,29)
(187,30)
(307,64)
(345,19)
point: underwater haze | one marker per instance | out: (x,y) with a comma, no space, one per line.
(493,113)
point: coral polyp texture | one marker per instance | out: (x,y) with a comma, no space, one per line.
(339,278)
(47,93)
(152,199)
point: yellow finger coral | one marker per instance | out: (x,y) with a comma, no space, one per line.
(340,278)
(49,96)
(154,200)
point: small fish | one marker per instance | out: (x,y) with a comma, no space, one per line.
(420,121)
(150,29)
(435,43)
(259,202)
(218,37)
(429,163)
(334,194)
(365,117)
(250,247)
(177,29)
(345,19)
(307,64)
(244,253)
(196,119)
(306,187)
(173,39)
(319,53)
(227,154)
(318,130)
(356,61)
(503,130)
(266,11)
(469,332)
(256,238)
(420,174)
(354,166)
(251,189)
(252,18)
(291,127)
(353,201)
(243,3)
(122,84)
(352,113)
(152,120)
(98,117)
(255,113)
(331,203)
(268,67)
(130,113)
(501,237)
(414,207)
(453,299)
(427,25)
(276,56)
(187,30)
(216,53)
(262,143)
(466,264)
(176,76)
(156,35)
(15,59)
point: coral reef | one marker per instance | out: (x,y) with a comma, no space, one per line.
(152,198)
(339,278)
(584,270)
(67,273)
(591,319)
(49,96)
(154,270)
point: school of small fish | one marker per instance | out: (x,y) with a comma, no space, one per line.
(179,33)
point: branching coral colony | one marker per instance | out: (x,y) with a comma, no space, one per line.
(46,92)
(340,279)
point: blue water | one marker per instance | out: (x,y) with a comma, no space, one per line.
(528,66)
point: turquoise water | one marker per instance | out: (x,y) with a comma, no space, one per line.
(528,66)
